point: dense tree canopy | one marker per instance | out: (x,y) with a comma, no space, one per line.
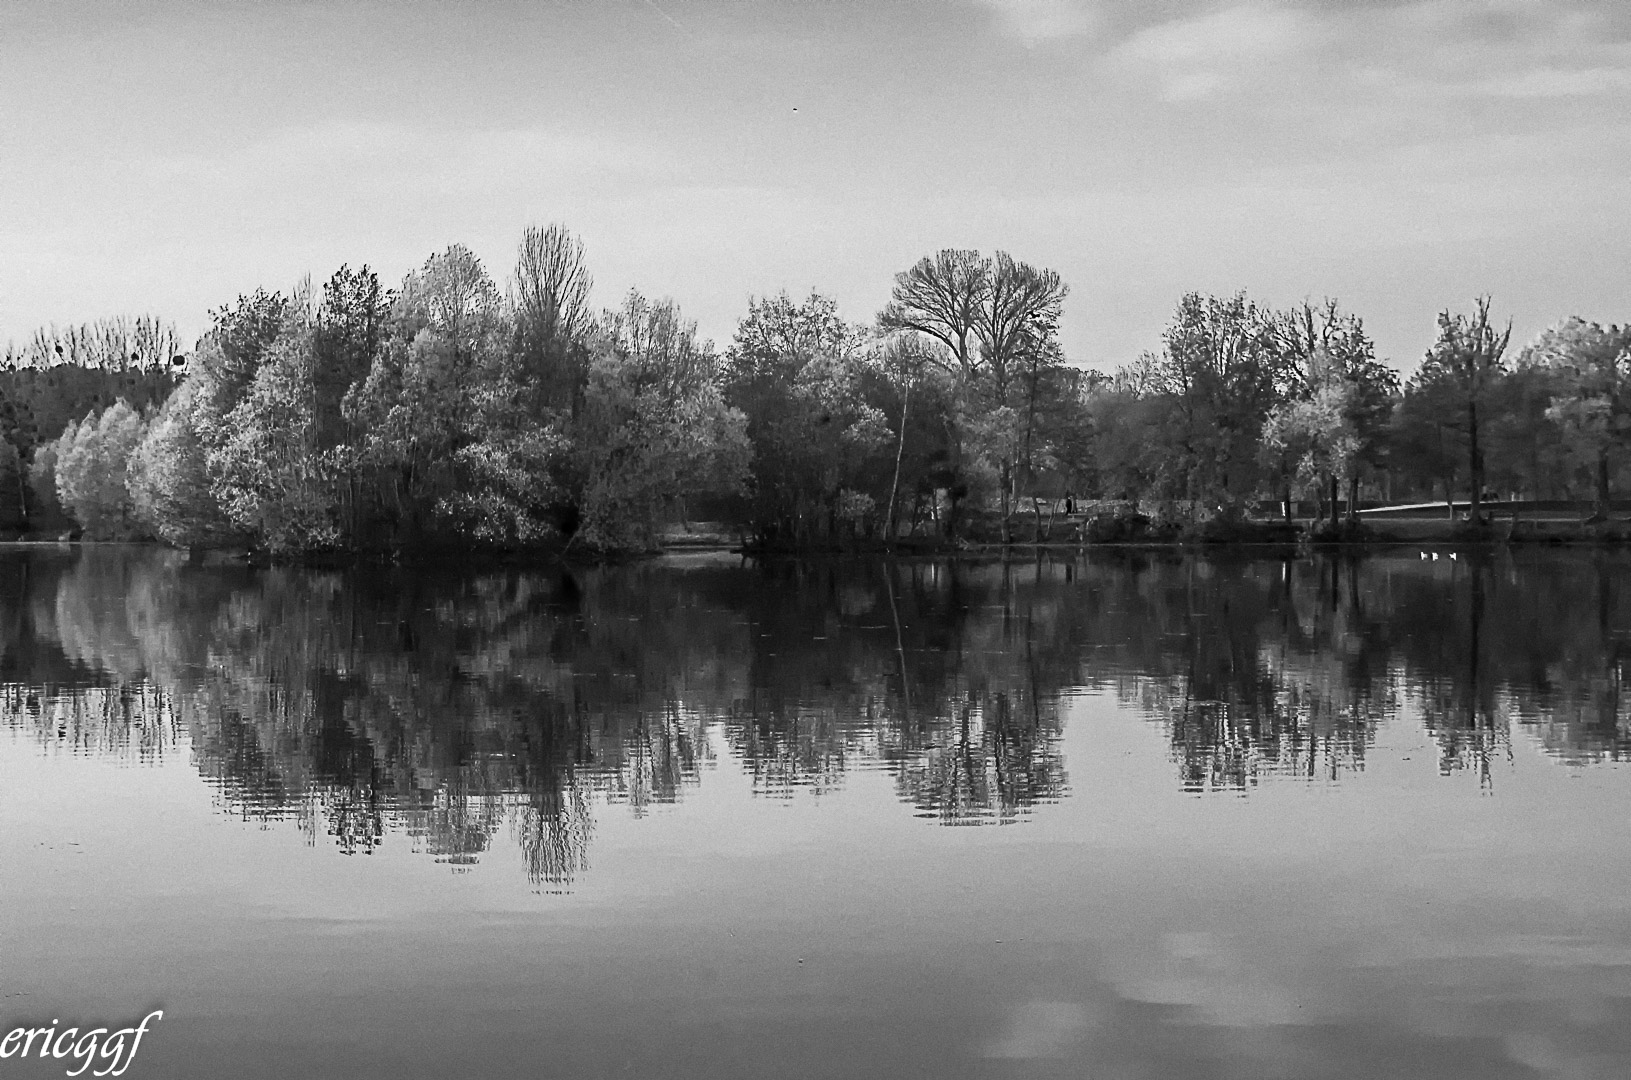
(455,411)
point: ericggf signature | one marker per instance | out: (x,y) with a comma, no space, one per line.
(117,1048)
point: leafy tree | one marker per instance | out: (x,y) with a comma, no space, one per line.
(1527,450)
(43,401)
(415,410)
(1591,370)
(1018,328)
(1219,373)
(508,491)
(1460,377)
(13,484)
(350,331)
(42,478)
(230,354)
(1315,433)
(779,335)
(91,471)
(454,445)
(453,295)
(798,374)
(1126,417)
(994,318)
(655,427)
(269,474)
(1427,454)
(18,436)
(1338,401)
(169,478)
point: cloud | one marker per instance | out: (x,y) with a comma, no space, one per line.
(1199,57)
(1043,1029)
(1551,82)
(1037,21)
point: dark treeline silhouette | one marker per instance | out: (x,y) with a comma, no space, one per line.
(446,413)
(453,708)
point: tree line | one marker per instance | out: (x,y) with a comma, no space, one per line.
(448,413)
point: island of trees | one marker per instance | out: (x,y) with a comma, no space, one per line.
(447,414)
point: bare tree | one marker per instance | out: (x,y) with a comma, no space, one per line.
(942,296)
(659,343)
(1020,307)
(114,344)
(551,288)
(549,295)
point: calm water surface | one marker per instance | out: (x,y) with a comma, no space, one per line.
(1119,817)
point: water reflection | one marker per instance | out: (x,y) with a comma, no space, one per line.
(455,708)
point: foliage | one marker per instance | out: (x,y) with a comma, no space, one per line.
(44,400)
(1203,399)
(414,410)
(452,413)
(268,473)
(1314,433)
(1459,381)
(805,386)
(169,481)
(42,480)
(91,468)
(1590,369)
(227,359)
(989,323)
(1332,422)
(655,426)
(13,485)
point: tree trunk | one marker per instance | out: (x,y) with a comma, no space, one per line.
(1333,500)
(1353,499)
(1475,465)
(900,451)
(1043,531)
(1004,477)
(22,492)
(1603,496)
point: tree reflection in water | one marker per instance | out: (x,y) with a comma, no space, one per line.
(451,707)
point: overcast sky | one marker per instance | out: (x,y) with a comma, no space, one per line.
(1403,156)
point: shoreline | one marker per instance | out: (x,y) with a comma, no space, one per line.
(1261,538)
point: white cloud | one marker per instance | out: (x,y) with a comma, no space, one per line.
(1197,58)
(1555,83)
(1036,21)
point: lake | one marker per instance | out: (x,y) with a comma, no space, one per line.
(1123,816)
